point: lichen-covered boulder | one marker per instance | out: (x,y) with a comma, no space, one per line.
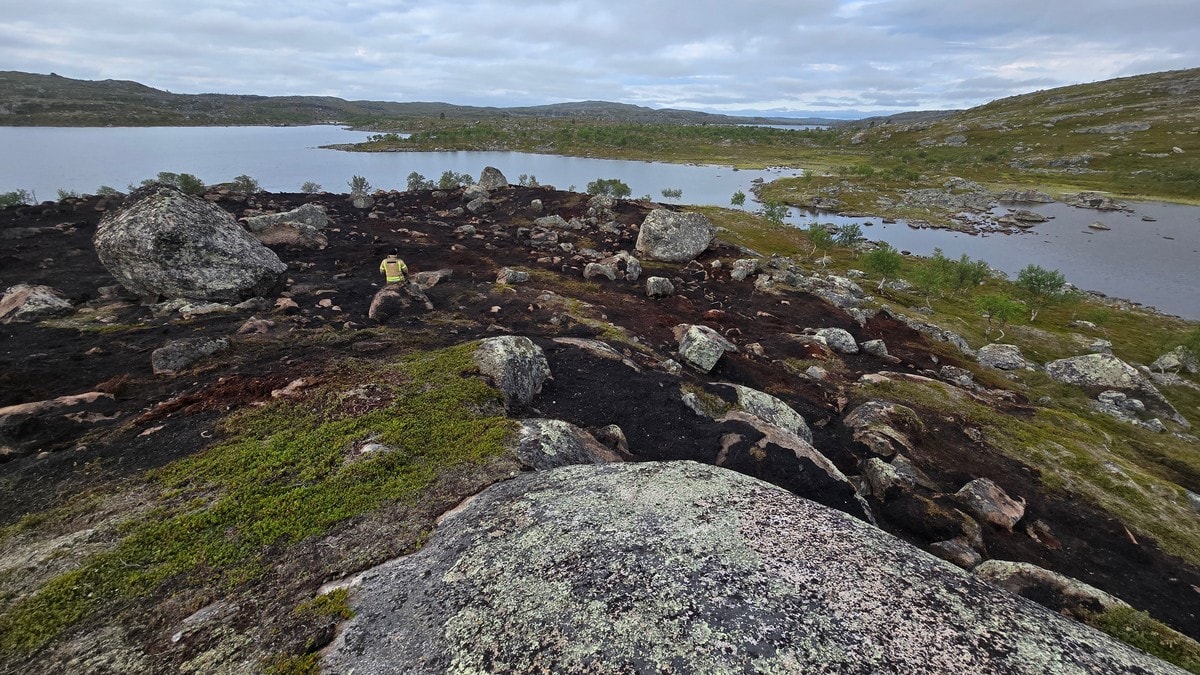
(312,215)
(674,237)
(1001,356)
(1179,358)
(492,179)
(1097,370)
(770,409)
(1056,591)
(884,427)
(682,567)
(25,302)
(839,339)
(702,347)
(517,366)
(659,287)
(170,244)
(545,444)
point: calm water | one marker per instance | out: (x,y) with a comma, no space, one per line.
(1155,263)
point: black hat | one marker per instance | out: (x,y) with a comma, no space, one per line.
(394,252)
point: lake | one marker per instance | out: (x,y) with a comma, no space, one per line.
(1155,263)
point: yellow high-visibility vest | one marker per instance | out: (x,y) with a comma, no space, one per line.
(393,269)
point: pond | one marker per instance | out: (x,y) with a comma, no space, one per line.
(1152,262)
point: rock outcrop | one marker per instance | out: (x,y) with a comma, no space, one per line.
(171,245)
(1001,356)
(674,237)
(682,567)
(546,444)
(492,179)
(300,227)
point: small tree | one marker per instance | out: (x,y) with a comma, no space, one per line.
(672,193)
(819,237)
(16,197)
(614,187)
(527,180)
(191,185)
(450,180)
(1039,288)
(67,194)
(774,212)
(359,185)
(884,261)
(418,182)
(932,277)
(966,273)
(108,191)
(310,188)
(246,185)
(738,199)
(998,310)
(850,234)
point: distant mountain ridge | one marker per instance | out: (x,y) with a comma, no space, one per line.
(30,99)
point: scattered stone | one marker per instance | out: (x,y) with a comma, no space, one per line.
(988,502)
(535,206)
(957,551)
(1095,200)
(839,340)
(480,206)
(179,354)
(516,366)
(255,325)
(816,372)
(169,244)
(508,275)
(427,280)
(959,377)
(875,348)
(674,237)
(701,346)
(593,270)
(24,302)
(659,287)
(743,268)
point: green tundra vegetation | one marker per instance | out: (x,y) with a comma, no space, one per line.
(1136,137)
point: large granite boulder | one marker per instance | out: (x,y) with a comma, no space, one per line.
(25,302)
(517,366)
(885,427)
(839,339)
(1179,358)
(686,568)
(170,244)
(492,179)
(674,237)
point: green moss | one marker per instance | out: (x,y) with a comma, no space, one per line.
(308,664)
(1141,631)
(333,604)
(287,473)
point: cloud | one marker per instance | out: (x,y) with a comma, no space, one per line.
(778,55)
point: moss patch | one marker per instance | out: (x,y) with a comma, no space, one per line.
(288,472)
(1141,631)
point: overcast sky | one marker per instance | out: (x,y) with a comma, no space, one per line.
(786,57)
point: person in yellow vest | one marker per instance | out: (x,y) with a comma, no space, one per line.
(395,272)
(393,268)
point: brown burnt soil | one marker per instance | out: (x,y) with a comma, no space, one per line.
(39,363)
